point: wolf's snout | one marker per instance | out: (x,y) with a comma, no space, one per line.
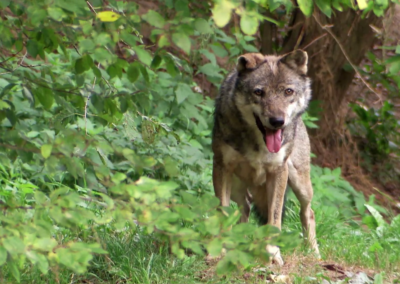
(277,121)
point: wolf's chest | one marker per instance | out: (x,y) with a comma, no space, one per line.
(254,165)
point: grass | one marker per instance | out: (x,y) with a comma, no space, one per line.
(135,257)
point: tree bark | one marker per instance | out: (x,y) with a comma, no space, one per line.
(328,68)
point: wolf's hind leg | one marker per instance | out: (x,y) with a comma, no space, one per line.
(222,181)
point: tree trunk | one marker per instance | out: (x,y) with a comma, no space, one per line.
(328,68)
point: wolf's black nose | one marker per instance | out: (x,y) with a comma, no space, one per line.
(276,121)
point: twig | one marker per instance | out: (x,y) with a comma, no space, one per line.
(326,27)
(76,49)
(353,24)
(5,60)
(18,65)
(122,95)
(92,200)
(91,7)
(86,104)
(314,40)
(300,38)
(30,66)
(5,206)
(56,154)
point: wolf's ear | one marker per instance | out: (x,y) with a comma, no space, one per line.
(297,60)
(249,61)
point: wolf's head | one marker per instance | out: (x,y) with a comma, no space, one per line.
(272,92)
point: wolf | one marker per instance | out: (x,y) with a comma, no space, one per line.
(260,142)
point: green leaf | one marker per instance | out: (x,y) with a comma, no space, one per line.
(171,167)
(33,48)
(75,6)
(249,24)
(377,216)
(5,3)
(76,260)
(118,177)
(214,248)
(4,105)
(27,94)
(96,72)
(14,271)
(32,134)
(306,6)
(182,41)
(144,72)
(14,245)
(182,92)
(375,247)
(44,244)
(171,67)
(108,16)
(202,26)
(378,278)
(154,19)
(46,150)
(210,70)
(39,259)
(148,131)
(394,68)
(56,13)
(325,6)
(219,50)
(3,255)
(133,72)
(83,64)
(155,63)
(86,45)
(163,41)
(143,55)
(393,59)
(212,225)
(41,199)
(175,249)
(45,97)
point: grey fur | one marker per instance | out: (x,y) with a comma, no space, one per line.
(262,91)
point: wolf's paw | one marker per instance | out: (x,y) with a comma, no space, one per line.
(275,255)
(210,260)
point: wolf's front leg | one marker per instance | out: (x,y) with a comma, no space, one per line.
(300,182)
(222,180)
(269,202)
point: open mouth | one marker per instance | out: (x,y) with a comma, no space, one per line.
(272,138)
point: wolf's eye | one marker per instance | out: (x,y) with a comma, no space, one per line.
(258,92)
(289,92)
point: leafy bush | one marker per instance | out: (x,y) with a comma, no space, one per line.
(376,127)
(101,129)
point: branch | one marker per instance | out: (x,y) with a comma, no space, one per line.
(18,65)
(86,104)
(56,154)
(314,41)
(91,7)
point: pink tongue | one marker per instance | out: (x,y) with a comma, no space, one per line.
(274,140)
